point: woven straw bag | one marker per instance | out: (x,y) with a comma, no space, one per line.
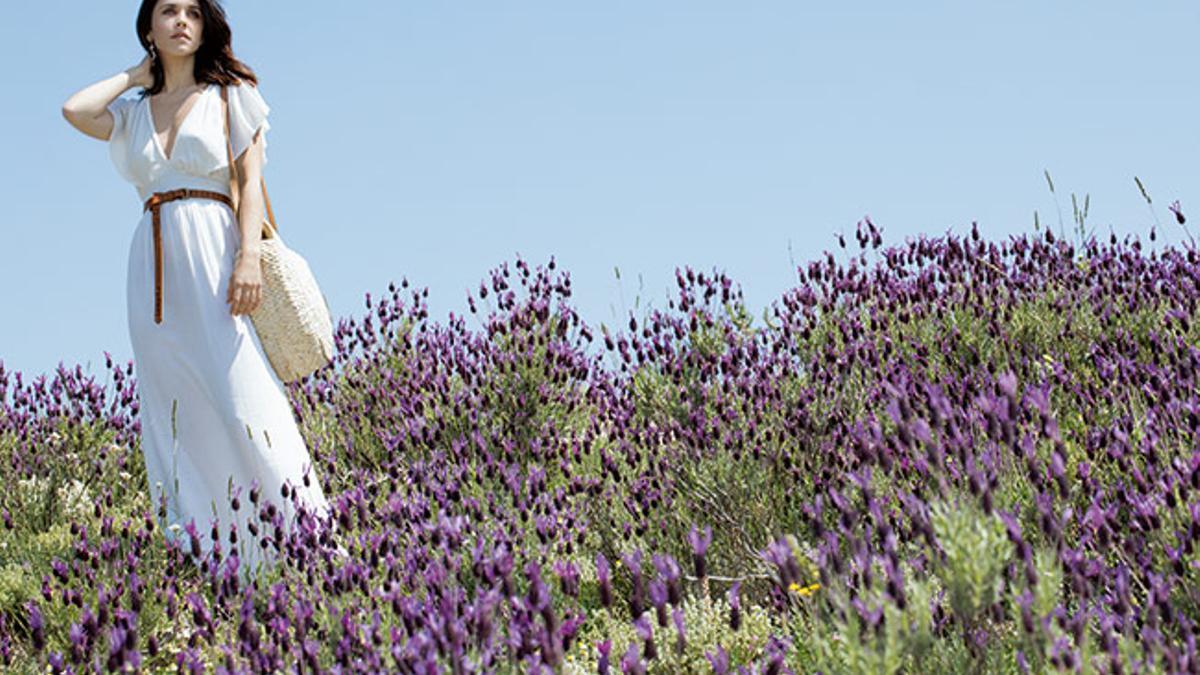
(293,320)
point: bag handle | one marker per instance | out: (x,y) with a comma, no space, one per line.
(233,187)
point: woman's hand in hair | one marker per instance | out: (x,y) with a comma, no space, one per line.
(140,75)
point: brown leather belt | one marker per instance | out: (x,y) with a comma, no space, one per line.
(153,203)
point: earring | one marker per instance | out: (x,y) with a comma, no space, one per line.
(153,52)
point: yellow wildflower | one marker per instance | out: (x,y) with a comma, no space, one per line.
(803,590)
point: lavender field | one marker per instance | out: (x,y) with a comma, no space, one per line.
(947,455)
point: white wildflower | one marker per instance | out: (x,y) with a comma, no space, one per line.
(75,497)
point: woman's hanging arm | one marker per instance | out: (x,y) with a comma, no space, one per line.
(251,206)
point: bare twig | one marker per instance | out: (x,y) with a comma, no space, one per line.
(748,577)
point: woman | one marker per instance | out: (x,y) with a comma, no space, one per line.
(215,419)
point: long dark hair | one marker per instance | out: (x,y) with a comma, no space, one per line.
(215,62)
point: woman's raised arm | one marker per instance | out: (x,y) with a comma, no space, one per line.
(87,109)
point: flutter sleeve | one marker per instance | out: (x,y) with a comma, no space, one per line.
(247,117)
(120,110)
(118,140)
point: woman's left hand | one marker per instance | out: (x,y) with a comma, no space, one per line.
(245,286)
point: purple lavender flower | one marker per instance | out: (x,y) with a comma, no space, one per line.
(776,651)
(646,632)
(658,598)
(719,661)
(681,630)
(37,627)
(1174,208)
(670,571)
(779,554)
(568,577)
(631,663)
(637,594)
(699,541)
(604,580)
(604,648)
(735,606)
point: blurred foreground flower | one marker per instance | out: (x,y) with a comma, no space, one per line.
(1174,208)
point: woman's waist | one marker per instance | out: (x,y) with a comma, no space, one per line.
(191,204)
(158,199)
(173,184)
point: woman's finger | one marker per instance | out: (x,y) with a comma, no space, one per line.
(245,297)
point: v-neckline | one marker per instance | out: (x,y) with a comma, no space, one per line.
(154,127)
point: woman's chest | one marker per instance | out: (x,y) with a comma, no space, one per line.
(197,147)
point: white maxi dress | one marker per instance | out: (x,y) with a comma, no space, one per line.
(214,415)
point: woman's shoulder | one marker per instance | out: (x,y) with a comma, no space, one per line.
(247,95)
(244,93)
(241,84)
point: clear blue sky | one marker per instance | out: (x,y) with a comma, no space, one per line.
(436,140)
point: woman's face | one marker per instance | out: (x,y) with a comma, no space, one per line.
(170,20)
